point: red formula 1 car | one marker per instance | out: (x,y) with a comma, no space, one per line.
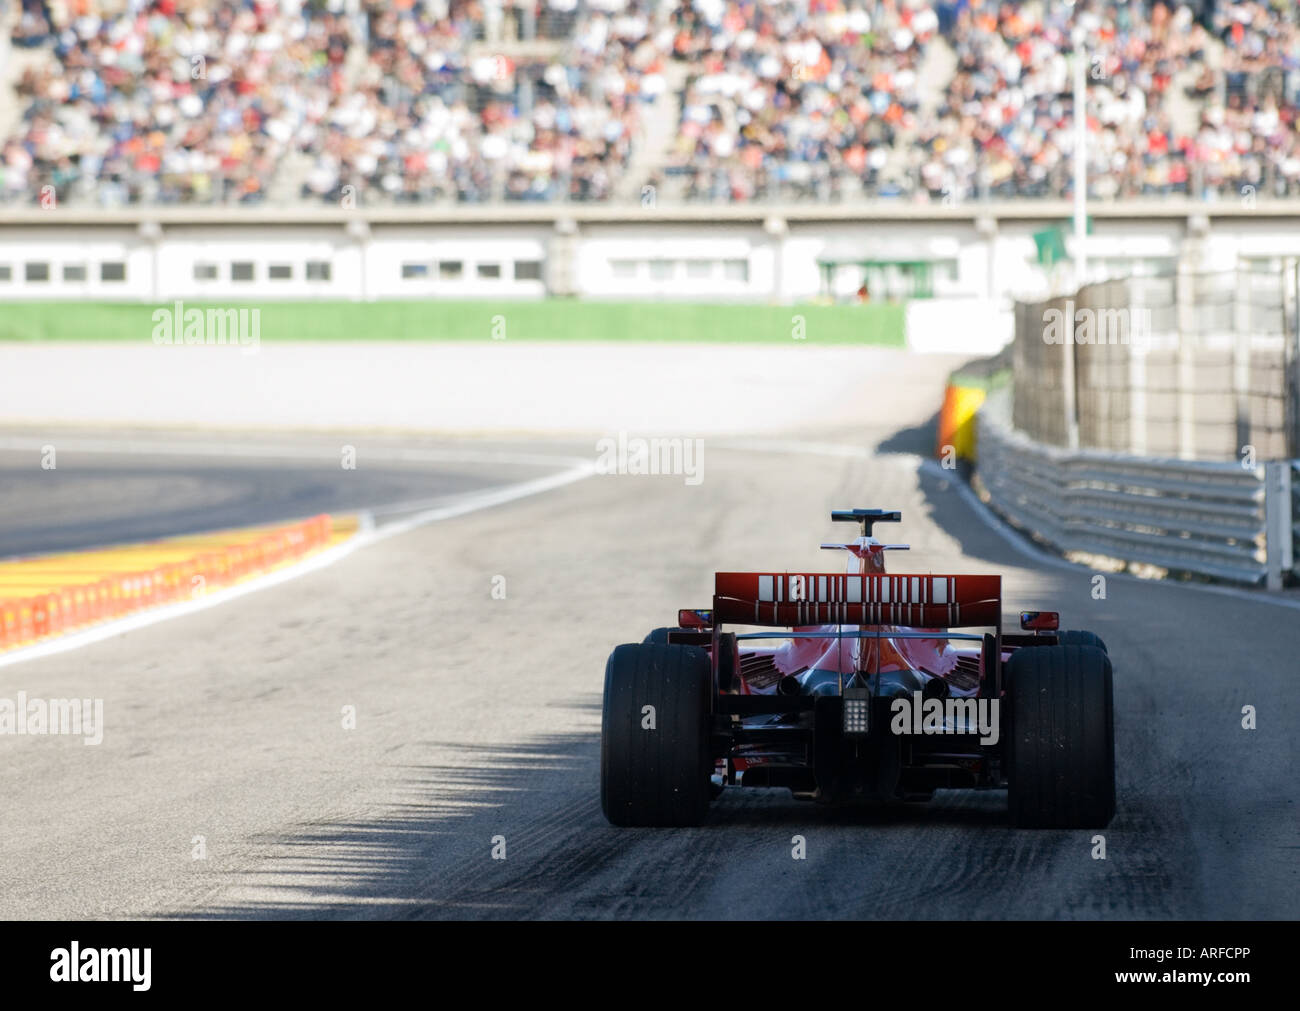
(867,693)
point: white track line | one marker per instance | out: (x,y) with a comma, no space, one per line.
(486,499)
(318,449)
(1004,530)
(366,535)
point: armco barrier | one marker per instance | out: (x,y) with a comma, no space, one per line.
(55,599)
(1212,519)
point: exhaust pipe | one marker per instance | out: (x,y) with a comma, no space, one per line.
(789,685)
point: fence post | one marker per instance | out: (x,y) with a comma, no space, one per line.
(1026,401)
(1185,297)
(1241,356)
(1291,356)
(1278,549)
(1137,373)
(1069,391)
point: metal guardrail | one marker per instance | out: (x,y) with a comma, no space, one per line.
(1213,519)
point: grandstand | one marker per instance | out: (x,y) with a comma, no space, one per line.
(127,102)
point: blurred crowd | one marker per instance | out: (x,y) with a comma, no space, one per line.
(945,101)
(218,100)
(801,98)
(170,101)
(431,116)
(1183,99)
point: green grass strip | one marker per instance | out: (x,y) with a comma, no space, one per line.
(478,320)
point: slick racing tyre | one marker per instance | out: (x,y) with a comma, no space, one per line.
(655,761)
(659,637)
(1080,637)
(1061,762)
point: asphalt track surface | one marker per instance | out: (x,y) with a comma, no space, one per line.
(478,719)
(132,486)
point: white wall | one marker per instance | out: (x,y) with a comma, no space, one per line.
(59,249)
(676,261)
(181,249)
(615,258)
(461,262)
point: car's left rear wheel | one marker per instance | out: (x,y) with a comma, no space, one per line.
(655,762)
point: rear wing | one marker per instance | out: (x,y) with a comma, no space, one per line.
(787,599)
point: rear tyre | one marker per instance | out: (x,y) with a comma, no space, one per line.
(1079,637)
(728,661)
(1061,765)
(655,761)
(659,637)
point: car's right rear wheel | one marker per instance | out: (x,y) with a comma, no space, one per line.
(1080,637)
(1061,769)
(655,758)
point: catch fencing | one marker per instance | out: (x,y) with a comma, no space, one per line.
(1198,366)
(1153,420)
